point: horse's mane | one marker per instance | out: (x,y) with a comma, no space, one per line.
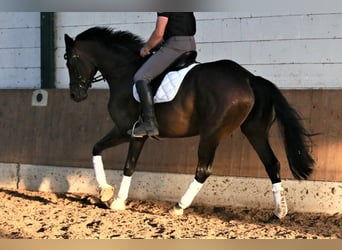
(110,38)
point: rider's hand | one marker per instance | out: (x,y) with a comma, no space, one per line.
(144,52)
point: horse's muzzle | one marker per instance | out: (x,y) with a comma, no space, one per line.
(78,96)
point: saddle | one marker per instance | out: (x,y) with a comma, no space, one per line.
(166,85)
(183,61)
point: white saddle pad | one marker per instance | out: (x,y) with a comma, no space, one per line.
(169,86)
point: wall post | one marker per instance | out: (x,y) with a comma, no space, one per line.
(47,55)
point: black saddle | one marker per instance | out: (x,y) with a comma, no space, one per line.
(183,61)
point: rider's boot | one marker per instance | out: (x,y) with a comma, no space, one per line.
(149,126)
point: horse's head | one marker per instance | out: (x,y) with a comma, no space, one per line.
(81,69)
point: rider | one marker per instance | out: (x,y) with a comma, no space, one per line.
(175,32)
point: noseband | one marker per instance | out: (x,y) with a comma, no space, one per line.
(85,83)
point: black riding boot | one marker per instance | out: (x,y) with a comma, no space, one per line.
(149,126)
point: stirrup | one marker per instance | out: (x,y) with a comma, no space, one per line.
(134,126)
(146,133)
(131,131)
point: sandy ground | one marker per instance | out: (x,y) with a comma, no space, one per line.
(42,215)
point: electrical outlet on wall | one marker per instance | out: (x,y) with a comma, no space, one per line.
(39,98)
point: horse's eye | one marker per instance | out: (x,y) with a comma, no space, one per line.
(65,56)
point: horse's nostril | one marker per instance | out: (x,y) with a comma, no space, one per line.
(72,95)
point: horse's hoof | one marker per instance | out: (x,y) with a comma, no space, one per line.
(118,204)
(280,213)
(106,193)
(176,211)
(281,210)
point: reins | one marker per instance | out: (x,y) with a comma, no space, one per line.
(85,83)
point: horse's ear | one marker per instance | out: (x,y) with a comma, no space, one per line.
(69,42)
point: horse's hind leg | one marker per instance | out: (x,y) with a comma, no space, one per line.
(206,153)
(256,132)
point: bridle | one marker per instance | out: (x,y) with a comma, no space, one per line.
(85,83)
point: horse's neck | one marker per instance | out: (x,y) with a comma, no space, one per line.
(117,68)
(119,71)
(119,75)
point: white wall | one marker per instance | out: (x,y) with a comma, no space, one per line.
(19,50)
(301,50)
(292,50)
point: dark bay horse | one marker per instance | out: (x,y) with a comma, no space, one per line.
(215,98)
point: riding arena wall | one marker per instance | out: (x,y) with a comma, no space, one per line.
(46,144)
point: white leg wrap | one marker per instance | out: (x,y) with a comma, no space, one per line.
(279,199)
(120,202)
(99,171)
(190,194)
(124,187)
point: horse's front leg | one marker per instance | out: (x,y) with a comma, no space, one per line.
(135,147)
(113,138)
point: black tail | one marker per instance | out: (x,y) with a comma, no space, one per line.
(296,139)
